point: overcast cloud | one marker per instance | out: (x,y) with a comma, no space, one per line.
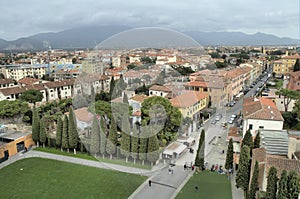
(19,18)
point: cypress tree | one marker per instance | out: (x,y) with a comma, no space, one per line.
(125,99)
(134,144)
(72,131)
(153,149)
(242,176)
(121,86)
(229,155)
(102,137)
(112,87)
(125,139)
(64,137)
(297,65)
(95,137)
(35,126)
(143,146)
(282,192)
(272,183)
(254,182)
(293,185)
(43,135)
(199,159)
(256,143)
(248,140)
(112,138)
(59,129)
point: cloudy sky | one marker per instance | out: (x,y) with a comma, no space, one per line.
(19,18)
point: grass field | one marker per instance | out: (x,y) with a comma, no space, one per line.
(211,185)
(44,178)
(89,157)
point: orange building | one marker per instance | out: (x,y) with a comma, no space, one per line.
(12,142)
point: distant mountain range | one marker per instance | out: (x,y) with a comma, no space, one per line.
(89,37)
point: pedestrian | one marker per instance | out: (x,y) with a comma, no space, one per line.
(193,167)
(196,188)
(223,151)
(150,183)
(184,166)
(170,171)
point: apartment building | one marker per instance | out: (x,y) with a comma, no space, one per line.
(18,72)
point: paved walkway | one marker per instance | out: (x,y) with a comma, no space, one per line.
(74,160)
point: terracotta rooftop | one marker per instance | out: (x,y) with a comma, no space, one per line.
(12,90)
(187,99)
(28,80)
(57,84)
(139,98)
(6,81)
(196,84)
(35,87)
(234,134)
(160,88)
(82,114)
(261,108)
(294,81)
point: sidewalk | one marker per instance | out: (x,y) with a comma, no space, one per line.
(85,162)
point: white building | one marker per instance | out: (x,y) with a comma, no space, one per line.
(261,113)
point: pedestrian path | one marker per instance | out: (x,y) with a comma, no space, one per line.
(74,160)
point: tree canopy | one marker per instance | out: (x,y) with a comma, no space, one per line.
(272,183)
(243,172)
(32,96)
(229,155)
(288,96)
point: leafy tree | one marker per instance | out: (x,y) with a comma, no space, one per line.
(288,96)
(296,109)
(248,140)
(282,192)
(221,64)
(199,160)
(103,108)
(158,110)
(59,129)
(72,131)
(147,60)
(95,137)
(125,139)
(36,127)
(256,143)
(254,182)
(142,90)
(153,149)
(229,155)
(297,65)
(272,183)
(134,144)
(293,185)
(10,109)
(103,96)
(32,96)
(243,172)
(102,137)
(64,137)
(43,135)
(215,55)
(112,139)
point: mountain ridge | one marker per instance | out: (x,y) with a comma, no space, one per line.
(90,36)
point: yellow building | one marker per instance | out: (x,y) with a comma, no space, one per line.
(12,142)
(190,103)
(285,64)
(18,72)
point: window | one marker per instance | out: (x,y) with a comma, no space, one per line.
(250,126)
(261,127)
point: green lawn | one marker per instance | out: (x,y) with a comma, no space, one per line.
(89,157)
(45,178)
(211,185)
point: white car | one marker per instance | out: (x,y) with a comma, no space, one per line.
(231,121)
(233,116)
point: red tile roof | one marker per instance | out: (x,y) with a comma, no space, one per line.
(139,98)
(28,80)
(187,99)
(57,84)
(196,84)
(6,81)
(160,88)
(12,90)
(261,108)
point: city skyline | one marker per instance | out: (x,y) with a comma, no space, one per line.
(22,19)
